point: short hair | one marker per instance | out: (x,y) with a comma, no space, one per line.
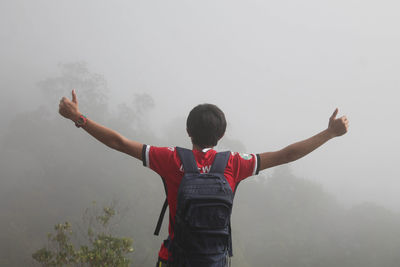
(206,124)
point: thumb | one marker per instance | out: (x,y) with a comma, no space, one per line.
(74,98)
(334,114)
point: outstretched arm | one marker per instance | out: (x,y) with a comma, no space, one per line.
(336,127)
(69,109)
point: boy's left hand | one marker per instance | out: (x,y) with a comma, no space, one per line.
(339,126)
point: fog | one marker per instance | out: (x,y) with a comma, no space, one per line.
(277,70)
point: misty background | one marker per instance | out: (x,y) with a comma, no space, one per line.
(277,70)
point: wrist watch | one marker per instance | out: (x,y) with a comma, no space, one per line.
(82,120)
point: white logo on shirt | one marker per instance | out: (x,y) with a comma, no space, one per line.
(245,156)
(204,169)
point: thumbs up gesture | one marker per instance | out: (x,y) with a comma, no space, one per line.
(338,126)
(69,108)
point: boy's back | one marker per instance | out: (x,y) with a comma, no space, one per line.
(165,161)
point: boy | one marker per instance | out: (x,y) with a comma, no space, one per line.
(206,125)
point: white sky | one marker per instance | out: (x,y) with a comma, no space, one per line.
(277,68)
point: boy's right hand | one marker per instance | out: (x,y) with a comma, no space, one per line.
(69,109)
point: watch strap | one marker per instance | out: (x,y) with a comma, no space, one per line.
(81,121)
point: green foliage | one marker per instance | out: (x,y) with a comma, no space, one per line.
(103,249)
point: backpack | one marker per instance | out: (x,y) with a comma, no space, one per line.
(202,229)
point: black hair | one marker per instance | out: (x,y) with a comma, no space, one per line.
(206,124)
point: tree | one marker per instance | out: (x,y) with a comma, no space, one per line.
(92,87)
(103,248)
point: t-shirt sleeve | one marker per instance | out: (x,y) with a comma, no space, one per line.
(245,165)
(159,159)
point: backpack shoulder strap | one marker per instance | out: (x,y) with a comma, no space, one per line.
(220,162)
(163,209)
(160,219)
(187,158)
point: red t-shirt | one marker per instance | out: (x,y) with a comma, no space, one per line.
(165,161)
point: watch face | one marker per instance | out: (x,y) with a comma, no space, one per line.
(80,121)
